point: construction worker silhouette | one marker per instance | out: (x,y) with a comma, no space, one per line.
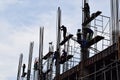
(88,33)
(64,29)
(64,55)
(79,36)
(80,40)
(36,65)
(87,11)
(23,72)
(55,56)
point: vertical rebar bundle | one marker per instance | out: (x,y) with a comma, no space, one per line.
(50,63)
(19,66)
(40,66)
(58,42)
(84,51)
(30,60)
(35,73)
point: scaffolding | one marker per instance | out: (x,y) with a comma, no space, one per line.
(73,47)
(101,26)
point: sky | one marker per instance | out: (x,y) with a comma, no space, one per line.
(20,21)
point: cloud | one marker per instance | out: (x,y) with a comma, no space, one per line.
(15,40)
(103,6)
(5,3)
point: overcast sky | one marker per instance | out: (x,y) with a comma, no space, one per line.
(20,21)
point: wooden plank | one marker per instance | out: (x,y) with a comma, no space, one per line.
(94,15)
(94,40)
(66,59)
(66,39)
(47,55)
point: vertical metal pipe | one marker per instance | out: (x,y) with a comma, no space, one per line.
(67,53)
(48,66)
(95,33)
(58,28)
(104,72)
(102,32)
(84,51)
(112,22)
(115,20)
(95,72)
(58,46)
(51,49)
(111,72)
(19,66)
(40,53)
(117,68)
(35,76)
(64,65)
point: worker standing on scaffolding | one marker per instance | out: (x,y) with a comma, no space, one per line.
(36,65)
(55,56)
(79,36)
(87,11)
(80,40)
(88,32)
(24,73)
(64,29)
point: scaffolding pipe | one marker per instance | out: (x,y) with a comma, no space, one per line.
(68,44)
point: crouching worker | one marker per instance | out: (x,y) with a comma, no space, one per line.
(63,56)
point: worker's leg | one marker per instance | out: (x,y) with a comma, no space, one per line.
(64,34)
(87,32)
(90,35)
